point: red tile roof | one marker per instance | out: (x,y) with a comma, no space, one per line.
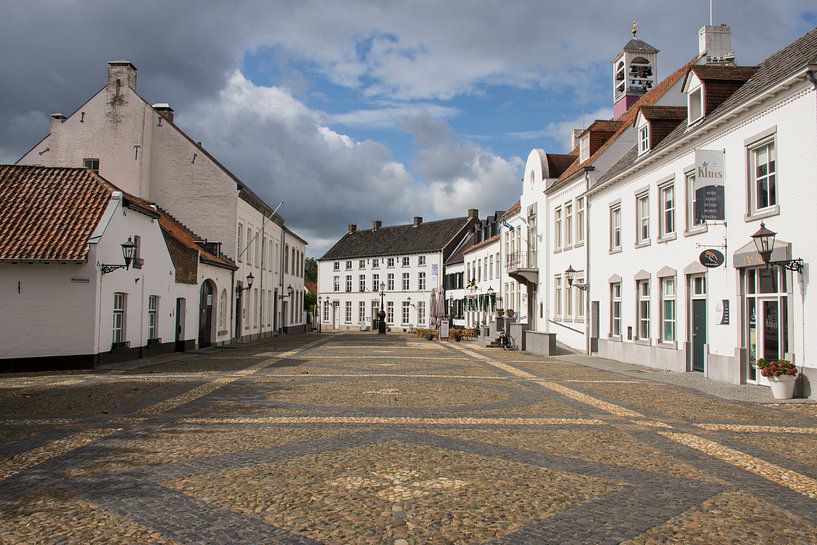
(49,214)
(311,286)
(512,210)
(188,239)
(628,117)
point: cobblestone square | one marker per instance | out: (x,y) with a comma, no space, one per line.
(364,439)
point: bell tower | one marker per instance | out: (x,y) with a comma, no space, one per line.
(635,72)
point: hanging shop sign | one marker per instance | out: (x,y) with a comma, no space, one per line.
(709,185)
(711,258)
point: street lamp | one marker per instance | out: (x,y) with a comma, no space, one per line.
(764,243)
(490,292)
(319,314)
(381,314)
(128,253)
(570,274)
(250,279)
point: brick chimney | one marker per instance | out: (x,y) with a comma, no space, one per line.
(122,71)
(473,213)
(164,110)
(417,221)
(376,224)
(351,229)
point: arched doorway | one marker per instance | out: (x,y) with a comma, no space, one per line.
(206,303)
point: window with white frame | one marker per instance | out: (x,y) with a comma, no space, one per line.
(693,224)
(119,317)
(222,310)
(336,266)
(406,261)
(348,313)
(763,175)
(615,309)
(249,245)
(642,206)
(479,270)
(643,309)
(390,262)
(580,297)
(568,310)
(667,196)
(390,282)
(421,280)
(580,220)
(615,227)
(375,263)
(326,311)
(375,282)
(421,313)
(491,268)
(153,317)
(695,105)
(644,138)
(375,310)
(584,148)
(557,296)
(361,311)
(336,285)
(406,282)
(390,312)
(557,228)
(257,252)
(361,284)
(240,251)
(497,263)
(485,268)
(348,265)
(361,264)
(405,314)
(421,260)
(568,224)
(668,309)
(348,283)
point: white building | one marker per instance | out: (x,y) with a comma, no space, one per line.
(69,302)
(658,304)
(139,147)
(483,271)
(407,260)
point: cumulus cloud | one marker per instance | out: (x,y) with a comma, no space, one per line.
(562,131)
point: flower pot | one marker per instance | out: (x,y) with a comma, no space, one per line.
(430,337)
(509,313)
(782,386)
(457,338)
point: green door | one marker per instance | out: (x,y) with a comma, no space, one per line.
(698,333)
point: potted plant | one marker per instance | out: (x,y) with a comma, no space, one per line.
(456,334)
(781,375)
(509,313)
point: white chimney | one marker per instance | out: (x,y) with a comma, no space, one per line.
(715,42)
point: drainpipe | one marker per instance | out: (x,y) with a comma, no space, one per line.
(588,318)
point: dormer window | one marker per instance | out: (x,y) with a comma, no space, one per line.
(695,104)
(584,148)
(644,138)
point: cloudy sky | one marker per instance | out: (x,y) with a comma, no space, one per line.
(351,111)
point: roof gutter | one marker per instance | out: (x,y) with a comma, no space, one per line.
(807,71)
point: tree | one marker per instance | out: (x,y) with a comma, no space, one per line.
(311,269)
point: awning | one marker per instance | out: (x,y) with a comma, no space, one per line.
(747,256)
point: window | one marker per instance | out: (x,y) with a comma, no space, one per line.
(390,282)
(421,313)
(479,270)
(375,309)
(375,282)
(406,282)
(580,298)
(557,228)
(240,250)
(644,139)
(222,310)
(584,148)
(361,283)
(361,264)
(496,262)
(137,253)
(348,314)
(348,265)
(763,173)
(667,210)
(406,311)
(248,248)
(643,318)
(485,268)
(692,223)
(580,221)
(273,257)
(286,259)
(490,273)
(615,228)
(119,317)
(695,104)
(668,310)
(336,265)
(421,260)
(348,283)
(643,217)
(337,283)
(615,309)
(264,257)
(390,262)
(255,307)
(93,164)
(568,310)
(361,311)
(569,224)
(375,263)
(257,252)
(326,311)
(421,281)
(390,312)
(153,317)
(557,296)
(406,261)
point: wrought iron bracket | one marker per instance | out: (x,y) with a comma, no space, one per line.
(111,268)
(795,265)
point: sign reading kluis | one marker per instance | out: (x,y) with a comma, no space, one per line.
(709,186)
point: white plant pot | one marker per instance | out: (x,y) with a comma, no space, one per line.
(782,386)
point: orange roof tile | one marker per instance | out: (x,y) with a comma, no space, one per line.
(512,210)
(188,239)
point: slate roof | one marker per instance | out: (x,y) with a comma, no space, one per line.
(431,236)
(459,254)
(664,113)
(49,214)
(628,117)
(771,71)
(717,72)
(603,125)
(639,45)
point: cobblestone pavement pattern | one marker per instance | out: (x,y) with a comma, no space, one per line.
(363,439)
